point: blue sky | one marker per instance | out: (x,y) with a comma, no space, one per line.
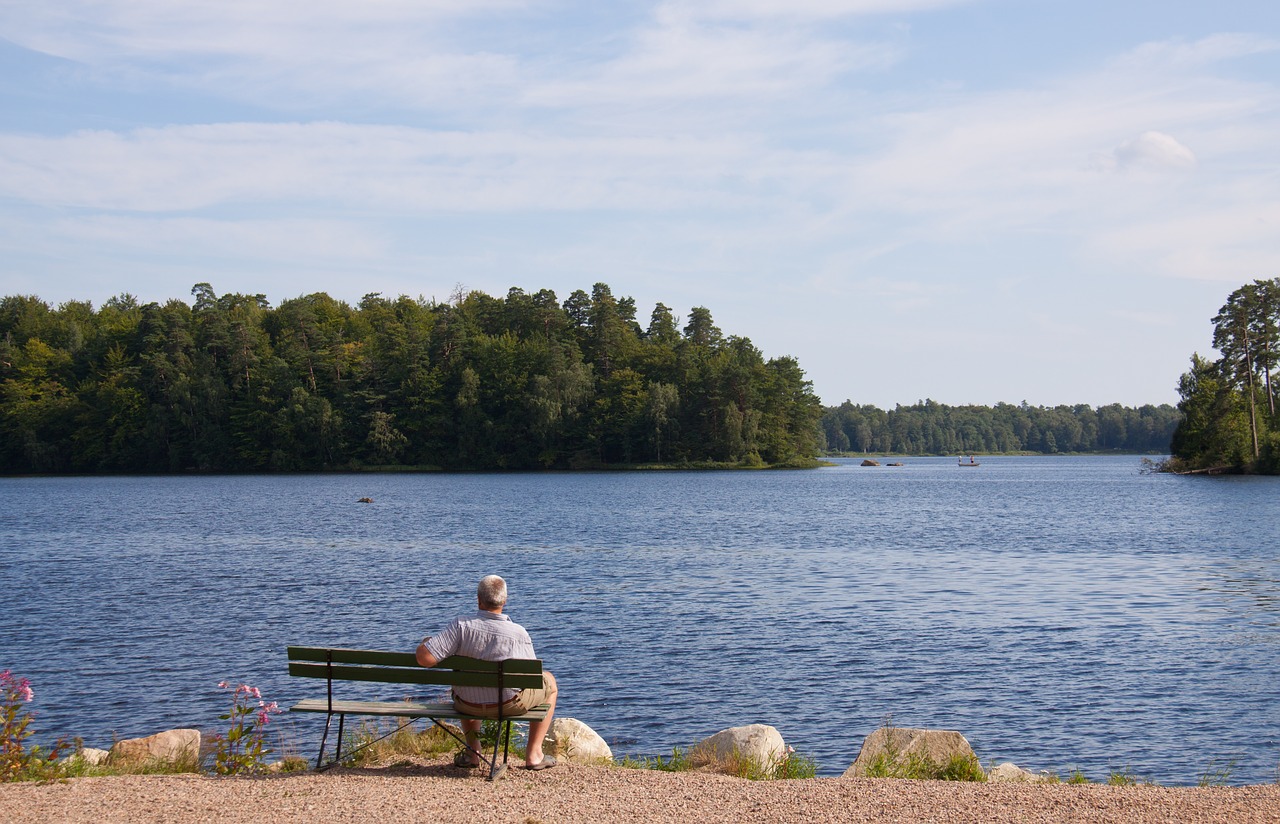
(970,201)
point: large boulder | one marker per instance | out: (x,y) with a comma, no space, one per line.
(571,740)
(903,746)
(760,743)
(169,746)
(869,462)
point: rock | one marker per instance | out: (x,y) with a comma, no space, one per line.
(364,500)
(571,740)
(1013,774)
(1010,774)
(92,756)
(938,746)
(758,742)
(895,463)
(172,746)
(869,462)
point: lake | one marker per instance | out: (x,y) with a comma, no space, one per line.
(1062,612)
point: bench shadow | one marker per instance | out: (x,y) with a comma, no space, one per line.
(409,769)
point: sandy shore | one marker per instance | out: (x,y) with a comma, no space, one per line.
(437,791)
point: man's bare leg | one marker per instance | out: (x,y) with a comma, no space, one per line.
(538,729)
(471,729)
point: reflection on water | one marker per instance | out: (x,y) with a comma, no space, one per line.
(1063,613)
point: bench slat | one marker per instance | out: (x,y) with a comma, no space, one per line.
(407,659)
(401,709)
(353,656)
(416,675)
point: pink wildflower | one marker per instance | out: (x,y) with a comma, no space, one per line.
(255,692)
(24,690)
(222,685)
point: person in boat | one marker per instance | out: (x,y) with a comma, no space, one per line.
(492,636)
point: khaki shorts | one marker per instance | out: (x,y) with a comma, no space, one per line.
(523,701)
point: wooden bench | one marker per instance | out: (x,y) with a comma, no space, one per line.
(383,667)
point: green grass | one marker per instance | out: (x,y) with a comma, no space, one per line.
(1218,775)
(1125,777)
(386,740)
(916,766)
(785,767)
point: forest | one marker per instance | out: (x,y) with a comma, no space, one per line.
(1228,405)
(931,428)
(229,383)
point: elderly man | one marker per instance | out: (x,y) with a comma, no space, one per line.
(491,636)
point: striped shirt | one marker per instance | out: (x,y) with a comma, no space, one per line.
(488,637)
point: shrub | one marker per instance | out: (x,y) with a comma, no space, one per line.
(17,762)
(243,748)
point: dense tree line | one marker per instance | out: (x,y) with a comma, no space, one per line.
(930,428)
(1229,404)
(229,383)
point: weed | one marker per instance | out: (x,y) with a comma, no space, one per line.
(678,762)
(958,767)
(1216,775)
(1077,777)
(517,735)
(17,762)
(786,765)
(243,748)
(892,763)
(379,742)
(77,766)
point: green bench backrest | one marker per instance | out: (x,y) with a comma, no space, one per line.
(402,668)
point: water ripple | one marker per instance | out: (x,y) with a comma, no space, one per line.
(1063,613)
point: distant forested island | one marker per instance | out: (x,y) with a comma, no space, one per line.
(1229,404)
(931,428)
(229,383)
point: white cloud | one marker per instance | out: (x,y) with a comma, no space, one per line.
(365,168)
(1179,54)
(279,53)
(1153,150)
(724,66)
(96,30)
(813,9)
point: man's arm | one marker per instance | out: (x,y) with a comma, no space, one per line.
(424,656)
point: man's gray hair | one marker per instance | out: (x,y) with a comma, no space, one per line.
(492,592)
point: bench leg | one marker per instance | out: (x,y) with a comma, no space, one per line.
(504,736)
(342,719)
(320,758)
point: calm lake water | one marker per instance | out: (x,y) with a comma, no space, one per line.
(1062,613)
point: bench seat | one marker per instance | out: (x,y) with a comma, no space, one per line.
(402,709)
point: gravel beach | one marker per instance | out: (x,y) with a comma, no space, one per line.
(437,791)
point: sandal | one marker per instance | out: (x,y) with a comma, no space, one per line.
(545,764)
(463,759)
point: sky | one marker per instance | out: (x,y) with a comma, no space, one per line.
(974,201)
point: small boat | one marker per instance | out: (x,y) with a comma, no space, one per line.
(970,462)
